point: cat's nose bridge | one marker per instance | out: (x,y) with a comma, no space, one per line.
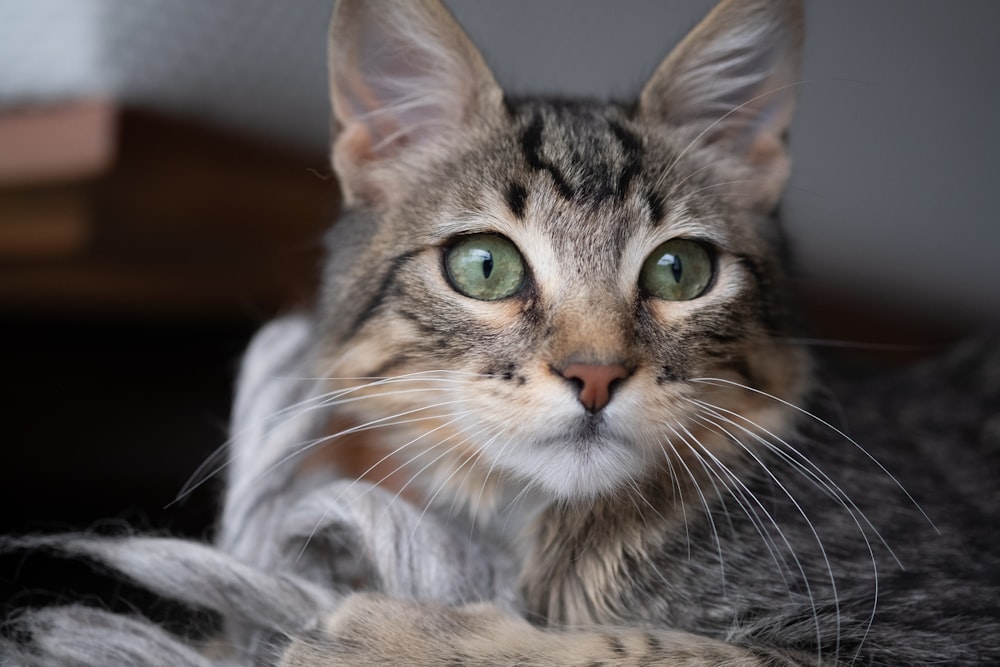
(589,348)
(590,319)
(589,330)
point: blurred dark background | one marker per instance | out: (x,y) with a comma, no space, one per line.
(127,294)
(164,187)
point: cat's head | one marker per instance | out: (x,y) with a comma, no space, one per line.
(559,293)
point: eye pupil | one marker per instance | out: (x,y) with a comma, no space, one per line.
(674,262)
(487,264)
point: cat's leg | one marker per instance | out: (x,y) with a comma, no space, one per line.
(370,629)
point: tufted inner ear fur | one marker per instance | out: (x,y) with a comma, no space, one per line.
(403,76)
(732,82)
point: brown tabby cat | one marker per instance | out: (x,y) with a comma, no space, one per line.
(572,320)
(586,307)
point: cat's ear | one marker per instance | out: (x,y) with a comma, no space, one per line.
(732,81)
(403,75)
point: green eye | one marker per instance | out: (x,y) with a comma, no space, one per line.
(484,266)
(678,270)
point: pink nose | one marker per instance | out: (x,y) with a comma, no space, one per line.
(595,381)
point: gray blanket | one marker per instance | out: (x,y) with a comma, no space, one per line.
(288,548)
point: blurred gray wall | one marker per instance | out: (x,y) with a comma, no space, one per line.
(896,142)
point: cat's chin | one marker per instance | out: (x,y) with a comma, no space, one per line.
(581,467)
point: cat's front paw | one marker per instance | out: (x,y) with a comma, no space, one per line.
(371,629)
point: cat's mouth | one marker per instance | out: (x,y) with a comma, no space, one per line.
(587,432)
(590,426)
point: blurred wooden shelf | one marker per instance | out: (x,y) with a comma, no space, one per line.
(128,213)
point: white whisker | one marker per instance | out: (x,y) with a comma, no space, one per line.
(430,463)
(725,382)
(826,484)
(812,529)
(677,491)
(740,490)
(301,408)
(482,489)
(696,448)
(395,452)
(388,421)
(218,460)
(470,461)
(697,488)
(525,490)
(331,398)
(387,457)
(802,464)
